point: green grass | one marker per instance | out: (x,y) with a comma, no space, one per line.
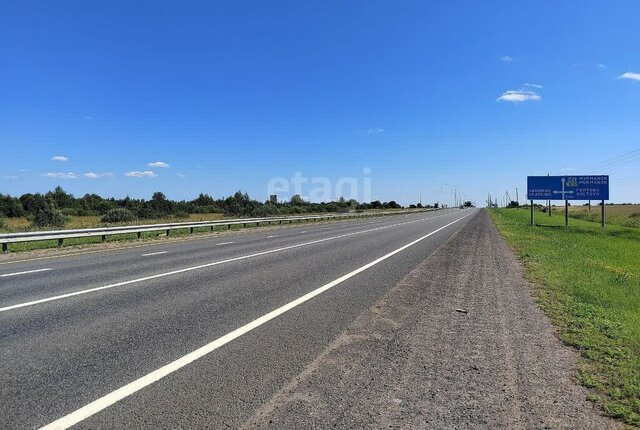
(587,279)
(627,215)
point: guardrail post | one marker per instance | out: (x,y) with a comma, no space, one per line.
(228,226)
(211,228)
(191,230)
(139,234)
(103,238)
(5,247)
(60,242)
(168,231)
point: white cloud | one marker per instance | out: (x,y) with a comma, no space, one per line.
(630,75)
(601,66)
(181,175)
(534,85)
(138,174)
(93,175)
(374,130)
(506,58)
(59,158)
(161,164)
(517,96)
(60,175)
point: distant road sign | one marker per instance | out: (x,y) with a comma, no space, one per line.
(568,187)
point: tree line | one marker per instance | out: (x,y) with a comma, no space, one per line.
(53,208)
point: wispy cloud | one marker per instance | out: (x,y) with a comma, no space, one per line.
(11,177)
(181,175)
(59,158)
(506,58)
(374,130)
(533,85)
(93,175)
(630,75)
(60,175)
(139,174)
(160,164)
(601,66)
(518,96)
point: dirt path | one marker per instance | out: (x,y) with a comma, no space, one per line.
(459,343)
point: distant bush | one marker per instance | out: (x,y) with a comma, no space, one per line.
(1,222)
(49,216)
(118,215)
(181,214)
(634,215)
(69,212)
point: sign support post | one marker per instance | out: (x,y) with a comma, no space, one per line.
(531,212)
(584,188)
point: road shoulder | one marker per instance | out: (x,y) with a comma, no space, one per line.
(458,343)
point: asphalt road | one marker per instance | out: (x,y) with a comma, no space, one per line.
(195,334)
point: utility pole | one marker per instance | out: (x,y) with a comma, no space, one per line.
(517,197)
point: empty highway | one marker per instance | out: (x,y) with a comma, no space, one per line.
(198,333)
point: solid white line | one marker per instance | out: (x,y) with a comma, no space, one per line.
(104,402)
(224,243)
(24,273)
(202,266)
(154,253)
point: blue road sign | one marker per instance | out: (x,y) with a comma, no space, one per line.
(568,187)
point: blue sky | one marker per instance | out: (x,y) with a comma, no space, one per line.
(232,94)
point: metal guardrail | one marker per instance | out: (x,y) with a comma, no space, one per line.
(61,235)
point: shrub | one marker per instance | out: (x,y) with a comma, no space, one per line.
(181,214)
(1,222)
(69,212)
(635,215)
(49,216)
(118,215)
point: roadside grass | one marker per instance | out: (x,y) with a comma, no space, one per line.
(623,215)
(587,279)
(14,225)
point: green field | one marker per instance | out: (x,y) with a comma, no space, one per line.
(624,215)
(587,279)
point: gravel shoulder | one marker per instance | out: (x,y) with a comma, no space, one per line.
(458,343)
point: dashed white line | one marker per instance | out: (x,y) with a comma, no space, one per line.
(224,243)
(202,266)
(154,253)
(271,237)
(125,391)
(25,272)
(303,231)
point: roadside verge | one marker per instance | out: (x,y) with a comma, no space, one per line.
(587,280)
(458,343)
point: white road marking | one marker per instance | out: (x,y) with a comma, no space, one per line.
(202,266)
(125,391)
(303,231)
(154,253)
(24,273)
(224,243)
(271,237)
